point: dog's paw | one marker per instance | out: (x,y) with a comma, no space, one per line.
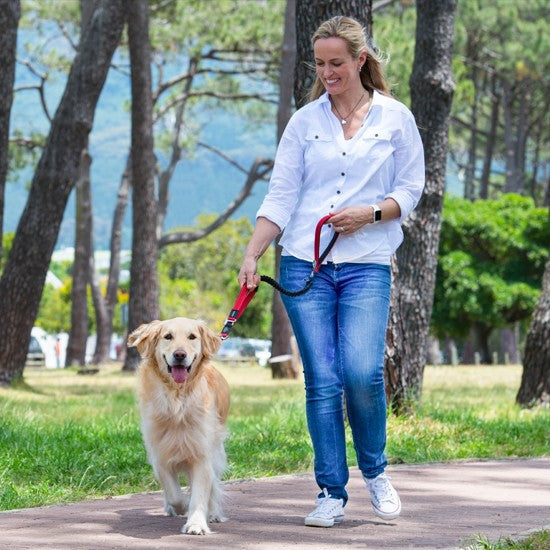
(216,518)
(175,509)
(195,528)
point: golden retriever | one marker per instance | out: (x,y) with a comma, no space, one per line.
(183,403)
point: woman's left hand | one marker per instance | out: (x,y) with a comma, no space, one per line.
(350,219)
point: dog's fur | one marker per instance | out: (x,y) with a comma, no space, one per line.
(183,403)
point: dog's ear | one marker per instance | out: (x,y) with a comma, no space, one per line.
(144,338)
(210,341)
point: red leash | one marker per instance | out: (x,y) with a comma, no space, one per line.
(246,295)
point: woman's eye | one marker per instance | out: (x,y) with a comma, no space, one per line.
(168,336)
(192,337)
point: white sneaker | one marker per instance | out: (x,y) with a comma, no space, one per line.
(384,498)
(328,512)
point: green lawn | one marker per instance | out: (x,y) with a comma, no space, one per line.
(66,437)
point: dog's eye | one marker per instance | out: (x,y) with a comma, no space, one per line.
(192,337)
(168,336)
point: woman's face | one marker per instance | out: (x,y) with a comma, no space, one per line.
(337,69)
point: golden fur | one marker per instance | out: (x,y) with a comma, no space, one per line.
(183,403)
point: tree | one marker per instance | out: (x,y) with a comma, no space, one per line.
(491,260)
(535,381)
(25,272)
(281,331)
(143,305)
(10,12)
(414,270)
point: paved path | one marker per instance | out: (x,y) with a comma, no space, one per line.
(444,504)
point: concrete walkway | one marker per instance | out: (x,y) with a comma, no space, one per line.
(444,505)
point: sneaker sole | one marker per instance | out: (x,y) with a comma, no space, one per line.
(383,515)
(319,522)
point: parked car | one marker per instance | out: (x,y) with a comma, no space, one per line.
(35,356)
(243,349)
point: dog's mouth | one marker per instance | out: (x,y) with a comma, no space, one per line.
(179,372)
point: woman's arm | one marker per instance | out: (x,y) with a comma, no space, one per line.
(263,235)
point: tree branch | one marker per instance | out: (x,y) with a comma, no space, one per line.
(259,169)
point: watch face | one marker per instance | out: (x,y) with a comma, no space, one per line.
(377,215)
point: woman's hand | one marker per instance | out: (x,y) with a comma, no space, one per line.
(350,219)
(248,275)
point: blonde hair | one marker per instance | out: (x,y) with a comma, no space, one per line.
(354,35)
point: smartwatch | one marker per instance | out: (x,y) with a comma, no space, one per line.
(377,213)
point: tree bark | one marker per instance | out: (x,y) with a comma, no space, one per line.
(78,335)
(535,381)
(415,264)
(10,12)
(491,140)
(309,15)
(55,176)
(143,304)
(281,331)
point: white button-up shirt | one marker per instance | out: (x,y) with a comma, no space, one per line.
(318,171)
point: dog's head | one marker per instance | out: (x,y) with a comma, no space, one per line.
(176,345)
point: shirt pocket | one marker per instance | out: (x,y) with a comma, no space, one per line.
(376,143)
(320,150)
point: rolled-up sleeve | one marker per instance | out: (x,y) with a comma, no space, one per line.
(408,183)
(286,179)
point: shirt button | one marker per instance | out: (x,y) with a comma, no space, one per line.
(332,205)
(343,174)
(338,192)
(316,137)
(344,154)
(375,135)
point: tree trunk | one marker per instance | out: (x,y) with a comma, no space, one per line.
(309,15)
(55,176)
(78,335)
(491,140)
(535,381)
(105,307)
(281,331)
(10,12)
(415,266)
(143,305)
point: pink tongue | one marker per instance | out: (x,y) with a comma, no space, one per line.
(179,374)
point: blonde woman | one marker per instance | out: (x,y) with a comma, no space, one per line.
(354,152)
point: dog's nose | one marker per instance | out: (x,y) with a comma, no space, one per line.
(179,355)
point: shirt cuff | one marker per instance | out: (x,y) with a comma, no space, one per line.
(279,216)
(405,201)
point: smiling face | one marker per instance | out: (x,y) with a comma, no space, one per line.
(178,345)
(335,66)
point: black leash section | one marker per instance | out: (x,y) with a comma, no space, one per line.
(246,295)
(270,281)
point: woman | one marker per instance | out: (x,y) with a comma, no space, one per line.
(353,152)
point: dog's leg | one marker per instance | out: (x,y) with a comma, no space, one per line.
(175,501)
(201,477)
(215,511)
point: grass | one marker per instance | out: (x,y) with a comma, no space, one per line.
(65,437)
(535,541)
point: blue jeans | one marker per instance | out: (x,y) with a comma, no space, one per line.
(340,328)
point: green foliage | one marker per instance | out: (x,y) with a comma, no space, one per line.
(491,261)
(199,279)
(7,241)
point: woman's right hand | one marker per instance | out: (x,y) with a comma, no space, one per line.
(248,274)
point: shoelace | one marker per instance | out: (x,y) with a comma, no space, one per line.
(325,505)
(382,488)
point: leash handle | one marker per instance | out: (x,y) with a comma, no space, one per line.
(319,259)
(243,299)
